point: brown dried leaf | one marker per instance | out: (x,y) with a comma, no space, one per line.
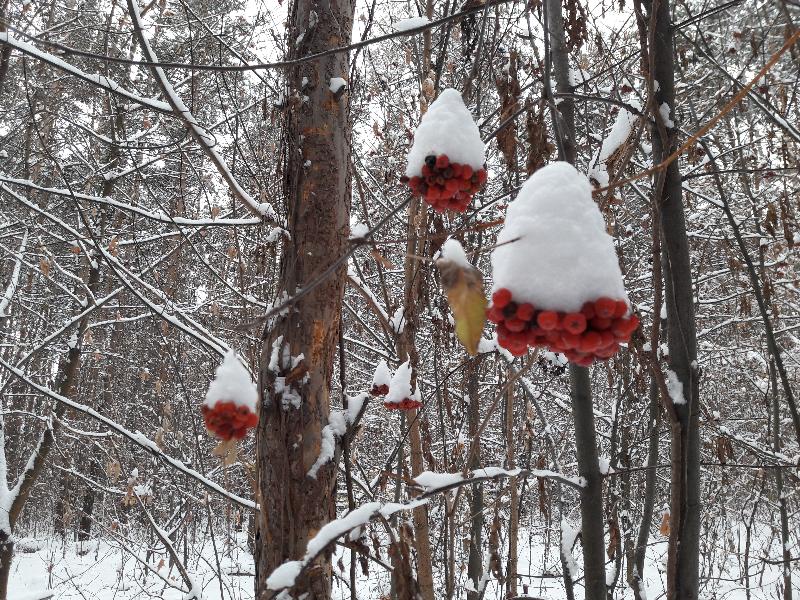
(227,451)
(664,528)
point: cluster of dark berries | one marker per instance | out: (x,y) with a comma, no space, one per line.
(594,332)
(379,390)
(405,404)
(228,421)
(446,185)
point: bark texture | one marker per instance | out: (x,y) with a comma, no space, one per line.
(300,347)
(684,543)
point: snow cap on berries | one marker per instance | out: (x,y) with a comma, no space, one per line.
(400,386)
(232,383)
(554,251)
(383,376)
(447,128)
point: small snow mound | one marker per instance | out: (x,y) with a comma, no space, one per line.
(554,251)
(447,128)
(358,231)
(383,375)
(453,251)
(336,84)
(400,385)
(232,383)
(411,23)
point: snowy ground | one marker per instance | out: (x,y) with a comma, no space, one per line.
(103,571)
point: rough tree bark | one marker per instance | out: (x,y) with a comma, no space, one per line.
(300,347)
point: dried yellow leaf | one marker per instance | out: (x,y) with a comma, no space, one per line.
(464,289)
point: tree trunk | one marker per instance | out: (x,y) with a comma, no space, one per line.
(513,519)
(295,390)
(592,529)
(591,497)
(475,559)
(685,509)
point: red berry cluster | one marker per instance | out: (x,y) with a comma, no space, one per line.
(229,421)
(446,185)
(379,390)
(594,332)
(406,404)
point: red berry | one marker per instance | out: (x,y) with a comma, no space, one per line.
(585,361)
(547,320)
(606,339)
(587,310)
(495,314)
(482,176)
(553,336)
(571,340)
(456,170)
(608,351)
(590,342)
(426,171)
(574,323)
(621,309)
(619,328)
(442,162)
(605,307)
(501,298)
(525,311)
(515,325)
(466,172)
(599,323)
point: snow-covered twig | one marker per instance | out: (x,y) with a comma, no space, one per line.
(98,80)
(137,438)
(287,574)
(153,216)
(435,483)
(203,137)
(195,592)
(5,301)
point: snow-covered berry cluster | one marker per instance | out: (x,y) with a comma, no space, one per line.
(446,185)
(396,388)
(229,421)
(594,332)
(229,408)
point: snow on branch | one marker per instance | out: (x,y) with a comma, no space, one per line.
(286,575)
(340,424)
(154,216)
(434,483)
(137,437)
(195,330)
(5,301)
(195,591)
(98,80)
(202,135)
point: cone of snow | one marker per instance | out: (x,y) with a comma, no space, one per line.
(229,409)
(446,163)
(557,282)
(400,394)
(381,379)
